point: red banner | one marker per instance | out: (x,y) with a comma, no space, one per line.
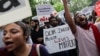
(97,8)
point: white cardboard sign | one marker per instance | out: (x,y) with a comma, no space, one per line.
(13,10)
(59,39)
(44,9)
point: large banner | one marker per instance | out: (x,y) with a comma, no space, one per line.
(59,39)
(13,10)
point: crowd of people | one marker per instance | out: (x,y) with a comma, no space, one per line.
(21,38)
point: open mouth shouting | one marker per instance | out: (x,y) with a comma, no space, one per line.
(9,44)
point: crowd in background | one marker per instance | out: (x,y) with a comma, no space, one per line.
(86,31)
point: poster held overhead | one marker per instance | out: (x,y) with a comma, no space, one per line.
(14,10)
(44,11)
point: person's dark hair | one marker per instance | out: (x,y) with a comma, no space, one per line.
(46,23)
(94,13)
(77,16)
(26,22)
(35,20)
(26,31)
(50,18)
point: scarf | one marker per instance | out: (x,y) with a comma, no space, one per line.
(96,35)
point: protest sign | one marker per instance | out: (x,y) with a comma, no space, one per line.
(44,9)
(43,12)
(43,18)
(59,39)
(13,10)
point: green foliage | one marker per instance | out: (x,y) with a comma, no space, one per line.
(58,6)
(76,5)
(32,4)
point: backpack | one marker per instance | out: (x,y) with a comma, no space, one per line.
(36,50)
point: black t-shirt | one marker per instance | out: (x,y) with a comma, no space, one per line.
(36,34)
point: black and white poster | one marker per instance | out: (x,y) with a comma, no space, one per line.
(59,39)
(13,10)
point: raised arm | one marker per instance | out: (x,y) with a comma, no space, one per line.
(68,17)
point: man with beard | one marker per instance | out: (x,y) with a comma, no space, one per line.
(36,32)
(53,21)
(87,34)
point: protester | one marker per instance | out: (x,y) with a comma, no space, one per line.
(54,23)
(28,25)
(15,37)
(36,32)
(87,35)
(59,21)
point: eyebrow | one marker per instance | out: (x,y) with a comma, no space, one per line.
(11,29)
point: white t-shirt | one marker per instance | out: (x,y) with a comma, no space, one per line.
(86,42)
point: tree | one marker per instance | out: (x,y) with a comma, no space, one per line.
(93,2)
(32,4)
(77,5)
(56,4)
